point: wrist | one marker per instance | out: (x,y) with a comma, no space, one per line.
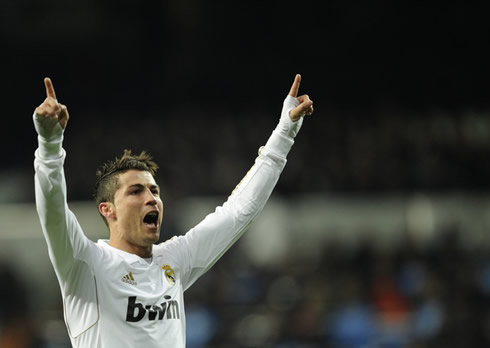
(48,129)
(287,127)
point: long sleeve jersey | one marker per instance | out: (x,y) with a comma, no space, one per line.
(112,298)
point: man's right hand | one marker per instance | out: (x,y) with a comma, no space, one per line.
(50,116)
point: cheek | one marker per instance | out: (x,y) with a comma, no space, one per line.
(126,212)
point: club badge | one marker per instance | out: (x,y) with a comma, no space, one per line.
(169,274)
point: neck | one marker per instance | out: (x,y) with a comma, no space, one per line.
(141,251)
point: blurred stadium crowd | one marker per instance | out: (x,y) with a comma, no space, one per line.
(436,296)
(337,151)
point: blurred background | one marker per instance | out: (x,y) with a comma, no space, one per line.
(378,233)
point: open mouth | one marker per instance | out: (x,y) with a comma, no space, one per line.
(151,219)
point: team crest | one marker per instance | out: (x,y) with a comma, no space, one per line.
(169,274)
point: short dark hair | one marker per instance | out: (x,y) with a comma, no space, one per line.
(108,173)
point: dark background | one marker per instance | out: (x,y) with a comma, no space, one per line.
(400,90)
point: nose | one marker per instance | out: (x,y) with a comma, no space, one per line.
(150,198)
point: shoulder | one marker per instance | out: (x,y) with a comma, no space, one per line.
(174,247)
(166,244)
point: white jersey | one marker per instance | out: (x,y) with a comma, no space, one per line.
(112,298)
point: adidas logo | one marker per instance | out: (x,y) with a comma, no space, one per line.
(128,278)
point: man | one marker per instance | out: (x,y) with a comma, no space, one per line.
(126,291)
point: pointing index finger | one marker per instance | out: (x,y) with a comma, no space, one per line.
(295,87)
(49,88)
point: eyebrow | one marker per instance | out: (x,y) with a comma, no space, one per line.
(141,186)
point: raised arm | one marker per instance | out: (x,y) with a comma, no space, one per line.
(64,236)
(70,251)
(204,244)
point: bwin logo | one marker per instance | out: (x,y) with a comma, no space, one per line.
(136,311)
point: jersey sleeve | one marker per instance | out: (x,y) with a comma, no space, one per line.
(203,245)
(70,251)
(64,236)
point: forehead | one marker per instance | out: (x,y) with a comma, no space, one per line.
(133,177)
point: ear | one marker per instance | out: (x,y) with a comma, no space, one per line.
(107,210)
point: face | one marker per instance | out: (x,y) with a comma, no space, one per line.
(138,210)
